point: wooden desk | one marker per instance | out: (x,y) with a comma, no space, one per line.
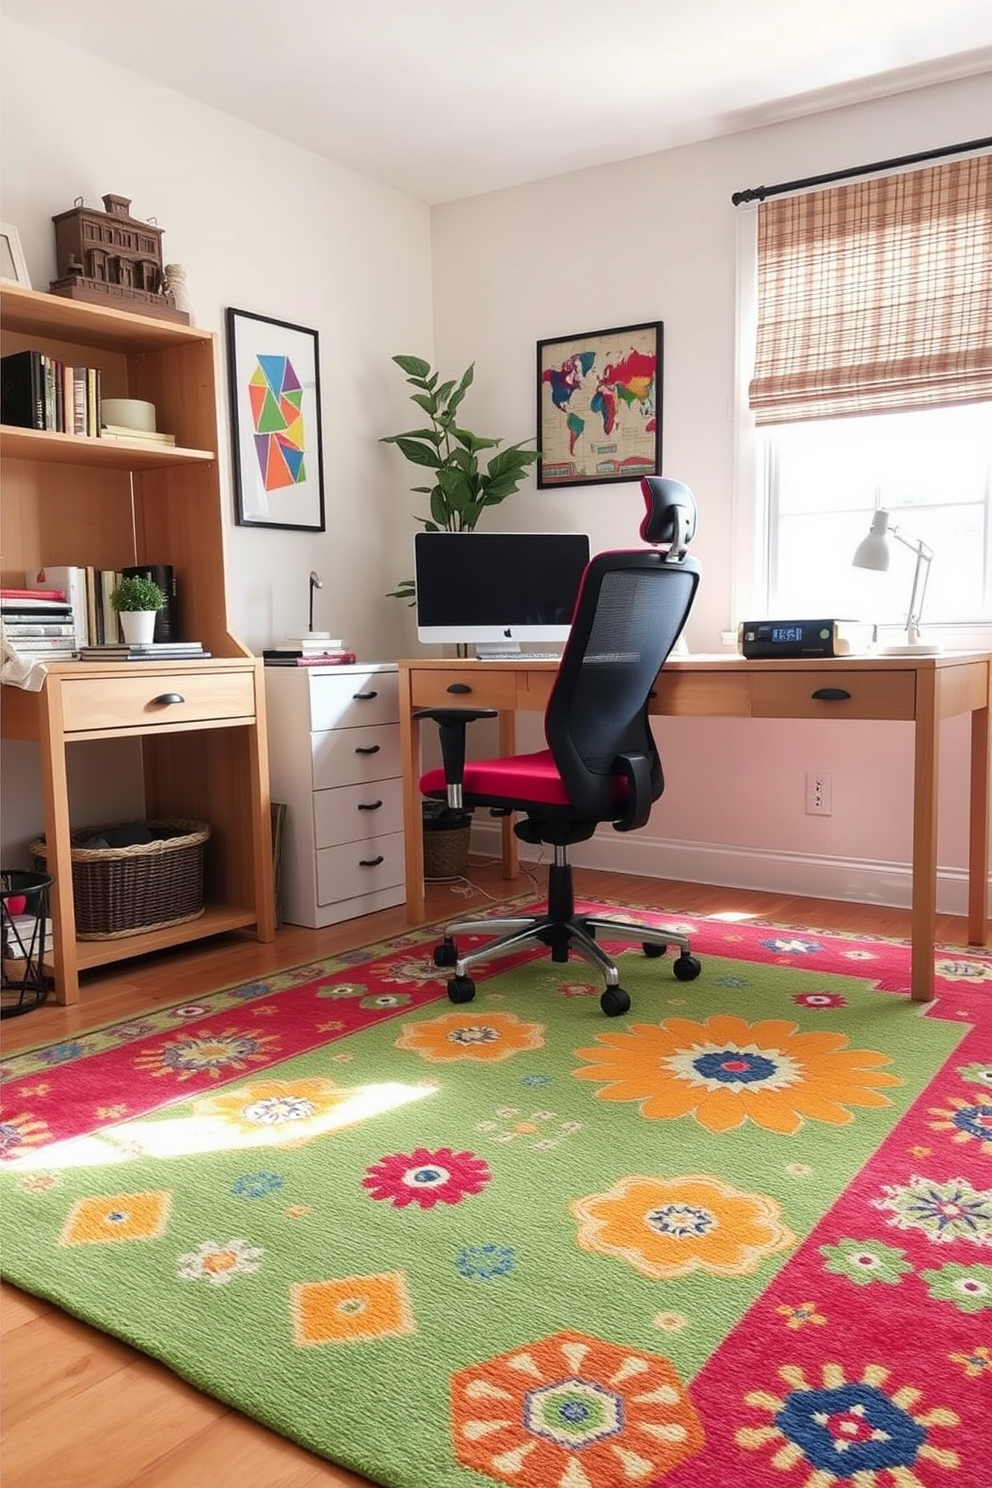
(920,690)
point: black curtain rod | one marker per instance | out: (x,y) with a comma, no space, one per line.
(758,193)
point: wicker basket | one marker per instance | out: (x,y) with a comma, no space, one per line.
(121,891)
(446,842)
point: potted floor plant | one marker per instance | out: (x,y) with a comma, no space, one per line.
(137,601)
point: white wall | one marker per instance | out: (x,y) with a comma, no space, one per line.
(265,226)
(654,239)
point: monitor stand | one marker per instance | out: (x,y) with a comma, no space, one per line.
(498,650)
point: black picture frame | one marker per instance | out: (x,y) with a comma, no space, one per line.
(274,390)
(612,430)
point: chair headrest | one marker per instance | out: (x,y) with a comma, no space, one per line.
(670,518)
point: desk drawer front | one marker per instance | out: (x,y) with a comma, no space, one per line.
(359,868)
(356,813)
(130,701)
(685,694)
(353,699)
(478,685)
(355,756)
(861,694)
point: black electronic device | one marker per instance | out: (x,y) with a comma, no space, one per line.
(764,639)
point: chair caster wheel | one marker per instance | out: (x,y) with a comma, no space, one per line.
(461,989)
(446,953)
(652,950)
(686,967)
(614,1001)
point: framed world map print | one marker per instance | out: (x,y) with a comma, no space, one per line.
(599,406)
(274,377)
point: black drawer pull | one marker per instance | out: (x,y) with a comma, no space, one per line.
(369,805)
(367,748)
(371,862)
(362,697)
(831,695)
(458,687)
(168,698)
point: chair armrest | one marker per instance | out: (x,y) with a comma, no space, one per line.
(636,768)
(453,725)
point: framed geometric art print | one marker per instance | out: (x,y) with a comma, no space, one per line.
(274,378)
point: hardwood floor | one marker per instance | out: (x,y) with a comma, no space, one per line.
(81,1410)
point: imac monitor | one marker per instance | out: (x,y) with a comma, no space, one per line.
(497,589)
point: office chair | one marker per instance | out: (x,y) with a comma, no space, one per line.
(601,763)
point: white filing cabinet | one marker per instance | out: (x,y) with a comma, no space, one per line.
(334,760)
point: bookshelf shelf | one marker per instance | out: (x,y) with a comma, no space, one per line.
(77,449)
(200,726)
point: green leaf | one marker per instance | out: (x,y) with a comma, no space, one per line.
(416,453)
(414,366)
(426,401)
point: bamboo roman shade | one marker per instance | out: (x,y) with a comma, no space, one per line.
(876,296)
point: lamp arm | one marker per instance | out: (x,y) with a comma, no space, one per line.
(921,574)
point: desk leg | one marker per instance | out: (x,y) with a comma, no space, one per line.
(508,745)
(58,846)
(924,912)
(413,836)
(978,834)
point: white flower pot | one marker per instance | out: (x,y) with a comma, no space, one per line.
(138,626)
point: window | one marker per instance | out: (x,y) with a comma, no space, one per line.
(868,343)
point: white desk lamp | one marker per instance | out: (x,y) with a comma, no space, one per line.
(875,552)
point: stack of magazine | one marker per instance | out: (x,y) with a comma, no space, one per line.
(152,651)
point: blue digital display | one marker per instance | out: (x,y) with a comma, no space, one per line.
(784,634)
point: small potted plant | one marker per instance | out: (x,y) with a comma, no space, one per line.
(137,601)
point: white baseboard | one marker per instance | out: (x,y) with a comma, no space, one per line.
(862,881)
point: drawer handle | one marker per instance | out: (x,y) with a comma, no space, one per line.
(362,697)
(369,805)
(831,695)
(458,687)
(371,862)
(168,698)
(367,748)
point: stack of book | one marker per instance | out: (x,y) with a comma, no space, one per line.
(37,624)
(148,651)
(24,935)
(38,391)
(142,436)
(312,649)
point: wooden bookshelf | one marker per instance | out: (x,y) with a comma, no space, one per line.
(72,499)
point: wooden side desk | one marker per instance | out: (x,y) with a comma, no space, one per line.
(919,690)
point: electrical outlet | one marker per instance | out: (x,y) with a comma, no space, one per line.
(818,793)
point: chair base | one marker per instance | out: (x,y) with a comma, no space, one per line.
(565,934)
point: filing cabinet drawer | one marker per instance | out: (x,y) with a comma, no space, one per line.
(487,687)
(356,868)
(357,813)
(353,756)
(353,699)
(856,694)
(90,703)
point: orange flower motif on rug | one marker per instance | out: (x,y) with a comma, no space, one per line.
(280,1111)
(726,1071)
(672,1227)
(471,1035)
(573,1411)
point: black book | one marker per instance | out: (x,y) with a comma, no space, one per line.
(22,390)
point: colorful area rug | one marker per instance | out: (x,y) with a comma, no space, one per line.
(741,1236)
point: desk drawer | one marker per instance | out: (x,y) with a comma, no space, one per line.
(90,703)
(869,694)
(355,756)
(357,813)
(352,699)
(359,868)
(685,694)
(479,685)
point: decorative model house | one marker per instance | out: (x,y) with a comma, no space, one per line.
(112,258)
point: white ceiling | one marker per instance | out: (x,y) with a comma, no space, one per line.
(443,99)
